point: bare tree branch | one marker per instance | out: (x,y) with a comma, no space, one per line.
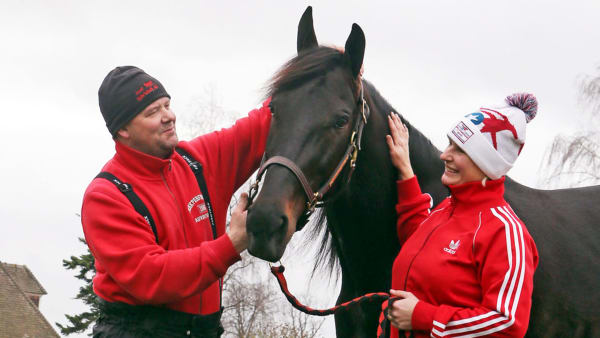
(204,114)
(574,160)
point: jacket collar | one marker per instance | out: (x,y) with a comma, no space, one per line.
(139,162)
(474,194)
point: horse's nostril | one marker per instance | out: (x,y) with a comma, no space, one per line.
(267,227)
(266,221)
(284,222)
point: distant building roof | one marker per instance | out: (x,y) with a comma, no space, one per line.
(26,281)
(19,316)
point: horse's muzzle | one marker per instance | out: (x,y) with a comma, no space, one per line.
(267,232)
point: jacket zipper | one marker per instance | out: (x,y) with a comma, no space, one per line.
(423,245)
(176,204)
(418,252)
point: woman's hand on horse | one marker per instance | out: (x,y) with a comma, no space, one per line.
(398,145)
(400,313)
(237,226)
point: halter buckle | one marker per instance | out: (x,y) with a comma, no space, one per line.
(310,205)
(355,150)
(354,157)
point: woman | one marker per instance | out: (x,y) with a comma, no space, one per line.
(465,268)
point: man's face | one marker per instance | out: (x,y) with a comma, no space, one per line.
(153,130)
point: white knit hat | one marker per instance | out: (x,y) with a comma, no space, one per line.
(493,137)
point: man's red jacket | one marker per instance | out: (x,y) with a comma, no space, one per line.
(181,272)
(470,262)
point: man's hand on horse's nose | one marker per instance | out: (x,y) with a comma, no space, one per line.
(237,226)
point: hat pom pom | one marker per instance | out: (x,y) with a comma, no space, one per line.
(524,101)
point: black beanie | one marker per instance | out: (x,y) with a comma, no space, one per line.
(124,93)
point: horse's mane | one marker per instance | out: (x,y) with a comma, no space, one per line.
(307,65)
(326,256)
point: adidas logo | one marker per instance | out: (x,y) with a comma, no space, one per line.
(451,249)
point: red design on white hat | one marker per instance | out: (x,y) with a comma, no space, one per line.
(493,125)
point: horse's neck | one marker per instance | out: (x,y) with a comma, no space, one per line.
(427,166)
(424,156)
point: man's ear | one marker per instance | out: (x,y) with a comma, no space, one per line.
(123,133)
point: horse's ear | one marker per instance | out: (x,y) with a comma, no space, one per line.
(306,32)
(354,50)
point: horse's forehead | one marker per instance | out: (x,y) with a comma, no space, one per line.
(338,81)
(315,107)
(331,90)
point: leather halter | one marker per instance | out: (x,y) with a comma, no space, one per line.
(315,199)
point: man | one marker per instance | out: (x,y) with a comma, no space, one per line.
(158,271)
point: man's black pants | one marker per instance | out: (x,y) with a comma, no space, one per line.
(129,321)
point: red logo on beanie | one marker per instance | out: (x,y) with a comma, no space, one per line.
(147,88)
(493,125)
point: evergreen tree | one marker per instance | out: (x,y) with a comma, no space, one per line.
(84,264)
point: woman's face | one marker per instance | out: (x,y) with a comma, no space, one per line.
(459,168)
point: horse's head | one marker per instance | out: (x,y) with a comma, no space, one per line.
(316,103)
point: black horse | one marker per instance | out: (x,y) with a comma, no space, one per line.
(315,104)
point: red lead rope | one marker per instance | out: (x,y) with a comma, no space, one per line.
(277,271)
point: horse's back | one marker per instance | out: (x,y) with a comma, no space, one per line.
(565,226)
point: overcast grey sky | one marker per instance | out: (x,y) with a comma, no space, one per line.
(433,60)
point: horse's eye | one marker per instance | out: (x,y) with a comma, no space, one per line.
(341,121)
